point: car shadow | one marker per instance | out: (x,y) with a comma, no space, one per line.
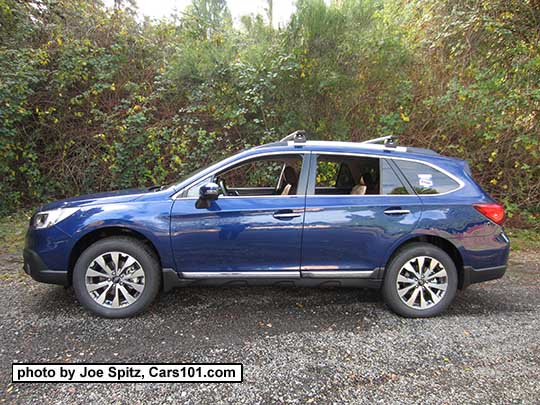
(240,310)
(196,323)
(239,313)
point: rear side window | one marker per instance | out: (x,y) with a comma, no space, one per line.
(356,175)
(425,179)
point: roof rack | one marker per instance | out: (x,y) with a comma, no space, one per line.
(296,136)
(389,140)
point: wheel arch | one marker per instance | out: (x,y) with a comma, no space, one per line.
(440,242)
(98,234)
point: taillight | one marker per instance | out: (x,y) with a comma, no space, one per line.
(495,212)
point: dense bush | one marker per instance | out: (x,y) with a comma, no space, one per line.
(92,98)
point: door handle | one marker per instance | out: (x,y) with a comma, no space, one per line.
(286,214)
(396,211)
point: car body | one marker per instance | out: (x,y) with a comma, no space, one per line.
(337,214)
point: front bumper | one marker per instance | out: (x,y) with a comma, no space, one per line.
(36,268)
(472,275)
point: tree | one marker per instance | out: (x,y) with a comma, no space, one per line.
(206,18)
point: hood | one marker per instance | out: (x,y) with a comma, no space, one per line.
(108,197)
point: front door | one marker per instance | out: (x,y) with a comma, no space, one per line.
(253,229)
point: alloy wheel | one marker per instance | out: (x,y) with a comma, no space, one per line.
(115,279)
(422,282)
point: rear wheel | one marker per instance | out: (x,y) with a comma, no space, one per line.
(420,281)
(116,277)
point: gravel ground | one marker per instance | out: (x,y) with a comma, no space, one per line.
(297,345)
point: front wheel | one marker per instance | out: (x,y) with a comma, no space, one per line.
(420,281)
(116,277)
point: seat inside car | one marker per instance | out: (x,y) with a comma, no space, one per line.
(371,185)
(360,188)
(290,180)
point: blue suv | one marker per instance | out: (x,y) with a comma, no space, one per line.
(292,213)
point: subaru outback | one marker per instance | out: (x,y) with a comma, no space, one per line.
(404,220)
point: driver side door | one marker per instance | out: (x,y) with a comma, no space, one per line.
(251,230)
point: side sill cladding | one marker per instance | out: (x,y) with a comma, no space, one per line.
(172,279)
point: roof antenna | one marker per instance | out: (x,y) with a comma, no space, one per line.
(296,136)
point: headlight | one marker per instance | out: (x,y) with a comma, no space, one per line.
(46,219)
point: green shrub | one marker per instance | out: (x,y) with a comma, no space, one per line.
(93,98)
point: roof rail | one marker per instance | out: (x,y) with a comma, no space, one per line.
(296,136)
(389,140)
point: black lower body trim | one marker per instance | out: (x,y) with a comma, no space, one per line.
(169,279)
(35,268)
(472,275)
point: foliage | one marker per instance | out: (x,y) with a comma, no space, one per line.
(482,95)
(524,239)
(93,98)
(12,231)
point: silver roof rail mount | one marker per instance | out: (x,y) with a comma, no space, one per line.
(296,136)
(389,140)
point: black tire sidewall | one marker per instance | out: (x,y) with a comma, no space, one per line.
(132,247)
(390,292)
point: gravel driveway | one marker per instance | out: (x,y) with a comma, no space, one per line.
(297,345)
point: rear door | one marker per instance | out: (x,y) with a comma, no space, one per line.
(348,235)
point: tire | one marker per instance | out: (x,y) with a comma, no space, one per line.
(425,296)
(121,288)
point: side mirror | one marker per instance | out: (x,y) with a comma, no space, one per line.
(210,191)
(207,193)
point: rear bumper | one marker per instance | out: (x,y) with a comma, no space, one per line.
(36,268)
(472,275)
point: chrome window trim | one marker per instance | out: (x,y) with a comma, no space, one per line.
(433,166)
(177,195)
(366,195)
(237,197)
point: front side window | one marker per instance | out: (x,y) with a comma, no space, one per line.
(265,176)
(425,179)
(255,174)
(193,191)
(350,175)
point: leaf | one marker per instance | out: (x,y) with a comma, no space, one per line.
(404,117)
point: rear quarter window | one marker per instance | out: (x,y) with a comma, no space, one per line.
(390,183)
(425,179)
